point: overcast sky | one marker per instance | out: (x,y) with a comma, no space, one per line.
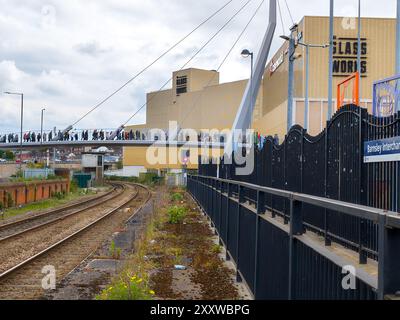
(68,55)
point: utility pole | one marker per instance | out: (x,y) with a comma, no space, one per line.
(22,123)
(41,126)
(292,51)
(359,49)
(398,49)
(306,96)
(330,81)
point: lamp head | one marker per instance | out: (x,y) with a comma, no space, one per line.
(246,53)
(286,38)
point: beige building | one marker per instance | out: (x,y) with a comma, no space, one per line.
(197,100)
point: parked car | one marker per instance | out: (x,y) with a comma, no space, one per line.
(3,160)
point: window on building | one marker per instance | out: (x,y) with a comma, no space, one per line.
(181,85)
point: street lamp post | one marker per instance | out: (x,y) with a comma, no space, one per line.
(330,77)
(245,54)
(41,126)
(292,50)
(22,123)
(306,100)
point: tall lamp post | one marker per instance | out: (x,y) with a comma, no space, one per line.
(330,77)
(245,54)
(41,126)
(306,100)
(292,50)
(22,123)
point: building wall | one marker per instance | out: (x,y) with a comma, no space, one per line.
(209,105)
(379,38)
(170,158)
(25,193)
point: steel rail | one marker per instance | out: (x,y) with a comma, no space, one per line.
(55,211)
(4,275)
(53,221)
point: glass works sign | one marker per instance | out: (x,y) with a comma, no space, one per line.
(345,56)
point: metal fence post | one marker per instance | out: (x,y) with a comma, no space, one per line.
(285,213)
(240,201)
(362,254)
(228,257)
(328,241)
(219,194)
(296,229)
(389,260)
(260,211)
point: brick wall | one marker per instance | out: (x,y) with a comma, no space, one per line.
(24,193)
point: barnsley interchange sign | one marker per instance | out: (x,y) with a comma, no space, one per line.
(382,150)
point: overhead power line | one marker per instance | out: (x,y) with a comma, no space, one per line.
(152,63)
(190,60)
(223,61)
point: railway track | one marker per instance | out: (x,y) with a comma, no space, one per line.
(21,278)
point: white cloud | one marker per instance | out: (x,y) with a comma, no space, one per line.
(69,55)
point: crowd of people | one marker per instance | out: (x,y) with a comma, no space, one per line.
(85,135)
(98,135)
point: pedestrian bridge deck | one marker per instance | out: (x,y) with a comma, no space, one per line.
(109,143)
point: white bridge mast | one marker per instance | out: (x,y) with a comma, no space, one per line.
(244,115)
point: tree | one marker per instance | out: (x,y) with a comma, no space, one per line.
(10,156)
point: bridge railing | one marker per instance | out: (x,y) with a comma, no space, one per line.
(105,134)
(279,259)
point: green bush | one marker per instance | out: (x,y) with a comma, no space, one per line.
(1,206)
(73,186)
(177,197)
(10,156)
(59,195)
(176,214)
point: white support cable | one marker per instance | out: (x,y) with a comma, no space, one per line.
(281,17)
(290,12)
(191,59)
(194,106)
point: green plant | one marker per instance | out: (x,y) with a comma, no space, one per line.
(1,206)
(177,197)
(120,165)
(216,249)
(176,214)
(59,195)
(132,288)
(114,251)
(10,156)
(10,201)
(73,186)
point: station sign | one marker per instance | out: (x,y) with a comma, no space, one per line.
(386,150)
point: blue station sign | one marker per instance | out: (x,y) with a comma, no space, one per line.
(385,150)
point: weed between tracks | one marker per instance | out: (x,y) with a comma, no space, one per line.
(178,235)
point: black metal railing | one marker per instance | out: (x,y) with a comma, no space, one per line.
(329,165)
(283,261)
